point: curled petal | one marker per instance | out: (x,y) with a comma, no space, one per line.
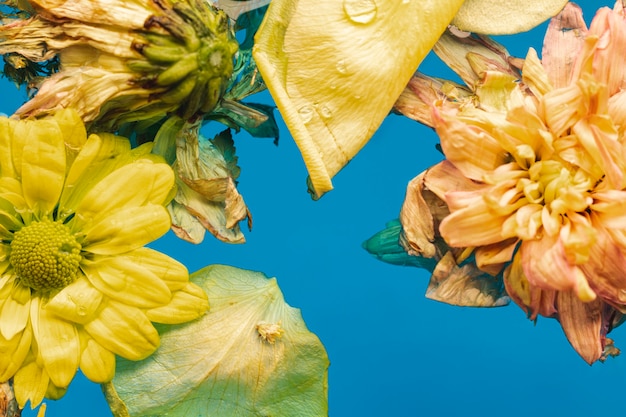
(333,117)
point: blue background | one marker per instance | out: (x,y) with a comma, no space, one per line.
(392,352)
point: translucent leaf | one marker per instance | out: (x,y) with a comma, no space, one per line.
(250,356)
(497,17)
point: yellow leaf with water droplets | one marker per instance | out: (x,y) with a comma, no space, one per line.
(335,69)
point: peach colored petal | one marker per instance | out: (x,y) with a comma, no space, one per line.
(562,43)
(609,63)
(473,225)
(582,324)
(462,142)
(545,264)
(605,269)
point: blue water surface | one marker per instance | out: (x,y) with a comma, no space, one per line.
(392,352)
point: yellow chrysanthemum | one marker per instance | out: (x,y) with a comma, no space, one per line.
(546,164)
(77,287)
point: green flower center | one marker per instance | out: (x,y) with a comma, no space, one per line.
(45,255)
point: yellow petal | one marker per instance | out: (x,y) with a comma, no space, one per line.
(187,304)
(124,330)
(57,342)
(335,69)
(173,273)
(43,165)
(96,362)
(135,184)
(77,302)
(123,280)
(15,311)
(497,17)
(30,384)
(98,156)
(127,229)
(13,352)
(7,167)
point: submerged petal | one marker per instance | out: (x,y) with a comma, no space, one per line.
(137,184)
(60,359)
(361,58)
(43,165)
(126,230)
(124,330)
(123,280)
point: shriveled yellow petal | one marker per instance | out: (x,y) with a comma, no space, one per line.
(13,352)
(173,273)
(43,165)
(125,281)
(30,384)
(187,304)
(359,56)
(135,184)
(124,330)
(57,342)
(496,17)
(126,229)
(15,311)
(77,302)
(96,362)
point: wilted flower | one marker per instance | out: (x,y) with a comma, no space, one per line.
(123,61)
(77,286)
(536,178)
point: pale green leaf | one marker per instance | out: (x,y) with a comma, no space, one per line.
(251,355)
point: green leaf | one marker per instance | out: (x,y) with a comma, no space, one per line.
(251,355)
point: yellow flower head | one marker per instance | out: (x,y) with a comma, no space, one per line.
(77,287)
(546,160)
(120,61)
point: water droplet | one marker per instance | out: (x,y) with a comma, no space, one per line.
(326,112)
(333,86)
(306,113)
(357,97)
(360,11)
(341,66)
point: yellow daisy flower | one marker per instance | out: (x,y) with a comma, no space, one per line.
(77,287)
(544,177)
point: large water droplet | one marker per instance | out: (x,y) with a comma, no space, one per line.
(360,11)
(306,113)
(341,66)
(326,112)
